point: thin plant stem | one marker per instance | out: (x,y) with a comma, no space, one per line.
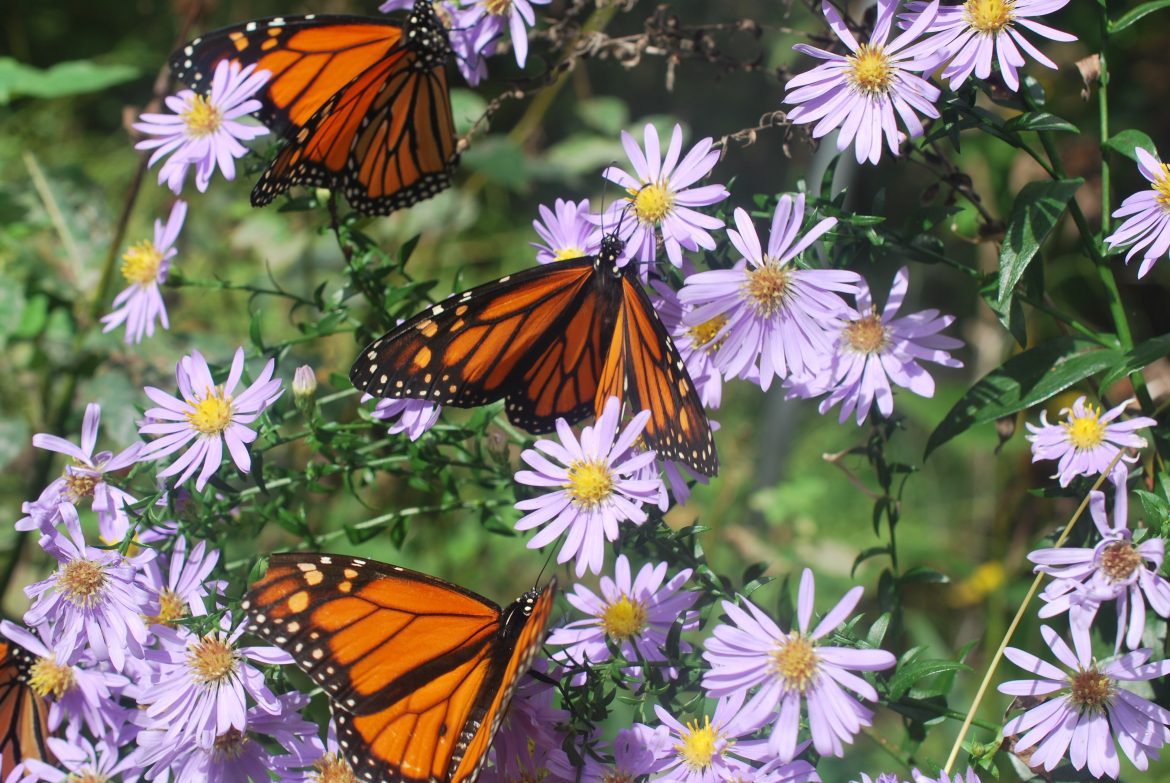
(1007,637)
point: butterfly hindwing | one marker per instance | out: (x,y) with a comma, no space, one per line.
(413,665)
(24,715)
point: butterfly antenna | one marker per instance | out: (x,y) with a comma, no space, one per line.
(604,191)
(540,576)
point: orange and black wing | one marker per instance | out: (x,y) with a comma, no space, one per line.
(23,714)
(311,59)
(418,670)
(535,339)
(644,368)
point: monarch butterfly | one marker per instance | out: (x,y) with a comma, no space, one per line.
(554,341)
(23,713)
(419,671)
(362,102)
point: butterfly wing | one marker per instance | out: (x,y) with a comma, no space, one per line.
(533,338)
(416,667)
(23,714)
(311,58)
(645,369)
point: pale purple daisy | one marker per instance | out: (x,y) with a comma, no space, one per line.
(518,15)
(201,684)
(873,350)
(633,614)
(866,92)
(80,761)
(775,313)
(204,130)
(471,34)
(92,597)
(206,418)
(791,668)
(78,693)
(635,753)
(1087,441)
(885,777)
(662,198)
(529,738)
(181,591)
(707,750)
(1086,710)
(331,766)
(979,31)
(696,344)
(414,417)
(595,487)
(145,267)
(1116,569)
(566,232)
(1146,228)
(86,478)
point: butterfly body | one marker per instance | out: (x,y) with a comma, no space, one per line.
(362,102)
(554,342)
(419,671)
(23,712)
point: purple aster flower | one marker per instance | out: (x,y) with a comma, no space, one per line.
(331,766)
(80,761)
(1088,440)
(960,777)
(696,344)
(775,313)
(204,130)
(662,197)
(207,417)
(86,478)
(635,753)
(979,31)
(79,694)
(595,487)
(519,16)
(635,615)
(415,417)
(566,232)
(791,668)
(180,591)
(1116,569)
(529,738)
(471,34)
(92,597)
(1146,228)
(866,92)
(145,267)
(200,684)
(873,350)
(1086,710)
(707,750)
(885,777)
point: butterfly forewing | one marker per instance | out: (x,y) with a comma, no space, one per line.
(23,713)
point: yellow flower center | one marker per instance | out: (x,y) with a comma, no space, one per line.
(141,262)
(1119,560)
(79,485)
(443,14)
(988,16)
(767,287)
(702,335)
(698,748)
(170,608)
(212,414)
(1162,188)
(1086,432)
(1091,690)
(332,768)
(565,253)
(652,202)
(82,581)
(590,482)
(201,117)
(617,776)
(49,678)
(498,7)
(870,70)
(87,775)
(212,660)
(229,745)
(867,334)
(795,661)
(624,619)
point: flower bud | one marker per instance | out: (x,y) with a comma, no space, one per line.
(304,386)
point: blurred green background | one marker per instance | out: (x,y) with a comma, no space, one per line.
(972,512)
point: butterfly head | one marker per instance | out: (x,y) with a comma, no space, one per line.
(612,247)
(427,35)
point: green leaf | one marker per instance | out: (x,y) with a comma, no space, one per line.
(68,78)
(922,574)
(1134,14)
(911,673)
(1040,121)
(466,107)
(605,114)
(1135,359)
(1036,212)
(1026,379)
(1129,140)
(501,161)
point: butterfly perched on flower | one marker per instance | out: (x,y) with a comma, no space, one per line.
(362,102)
(23,712)
(419,671)
(555,342)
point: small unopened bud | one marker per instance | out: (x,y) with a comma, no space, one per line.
(304,387)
